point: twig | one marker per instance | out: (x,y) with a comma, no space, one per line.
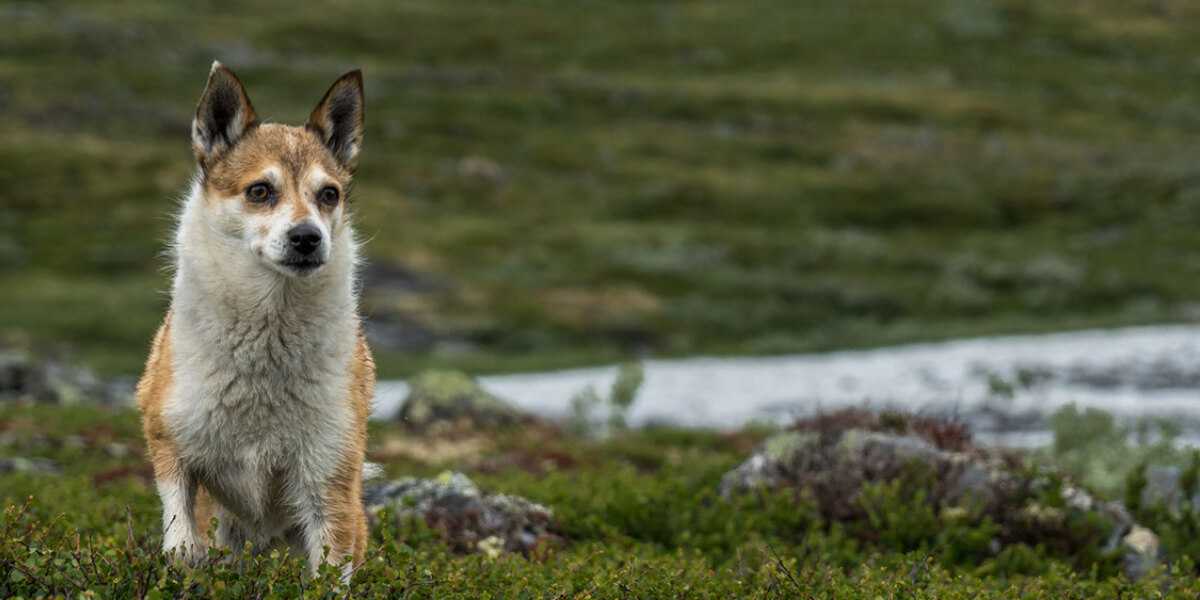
(786,571)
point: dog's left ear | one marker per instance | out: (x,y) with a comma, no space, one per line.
(338,118)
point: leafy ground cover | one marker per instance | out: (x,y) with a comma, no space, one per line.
(639,511)
(549,184)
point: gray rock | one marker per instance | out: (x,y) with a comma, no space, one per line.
(767,469)
(788,445)
(481,169)
(837,467)
(452,397)
(17,464)
(1135,561)
(1141,552)
(25,377)
(467,519)
(833,467)
(1164,488)
(16,372)
(398,333)
(116,450)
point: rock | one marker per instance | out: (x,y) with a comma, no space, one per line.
(836,469)
(831,459)
(25,377)
(16,373)
(119,391)
(398,333)
(18,464)
(1141,551)
(780,447)
(1133,540)
(116,450)
(1164,488)
(467,519)
(768,468)
(481,169)
(453,398)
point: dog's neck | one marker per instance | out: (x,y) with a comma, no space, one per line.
(219,283)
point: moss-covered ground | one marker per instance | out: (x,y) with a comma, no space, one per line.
(639,511)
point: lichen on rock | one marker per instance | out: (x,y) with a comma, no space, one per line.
(453,398)
(466,518)
(833,460)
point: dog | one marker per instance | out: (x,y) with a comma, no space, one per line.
(257,390)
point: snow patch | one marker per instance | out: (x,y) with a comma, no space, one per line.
(1131,372)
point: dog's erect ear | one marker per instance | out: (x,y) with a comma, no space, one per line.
(338,118)
(223,115)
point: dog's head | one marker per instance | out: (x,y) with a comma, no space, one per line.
(277,191)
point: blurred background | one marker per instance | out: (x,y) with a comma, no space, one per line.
(549,185)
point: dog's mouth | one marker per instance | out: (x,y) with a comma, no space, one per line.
(302,266)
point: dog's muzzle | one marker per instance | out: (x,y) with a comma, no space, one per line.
(304,245)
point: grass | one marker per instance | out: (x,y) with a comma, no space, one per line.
(639,511)
(603,180)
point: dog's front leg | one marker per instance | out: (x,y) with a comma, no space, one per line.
(181,535)
(316,532)
(323,529)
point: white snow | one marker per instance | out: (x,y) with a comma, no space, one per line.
(947,376)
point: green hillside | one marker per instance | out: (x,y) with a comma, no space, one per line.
(559,183)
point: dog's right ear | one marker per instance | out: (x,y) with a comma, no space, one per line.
(222,117)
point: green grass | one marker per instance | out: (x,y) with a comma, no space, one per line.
(675,177)
(640,512)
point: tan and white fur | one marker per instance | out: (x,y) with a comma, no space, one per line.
(258,386)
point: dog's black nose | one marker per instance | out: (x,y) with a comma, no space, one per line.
(305,238)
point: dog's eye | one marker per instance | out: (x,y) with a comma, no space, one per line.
(328,196)
(259,192)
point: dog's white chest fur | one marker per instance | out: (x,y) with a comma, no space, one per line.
(260,401)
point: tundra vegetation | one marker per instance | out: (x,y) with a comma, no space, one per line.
(548,512)
(545,185)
